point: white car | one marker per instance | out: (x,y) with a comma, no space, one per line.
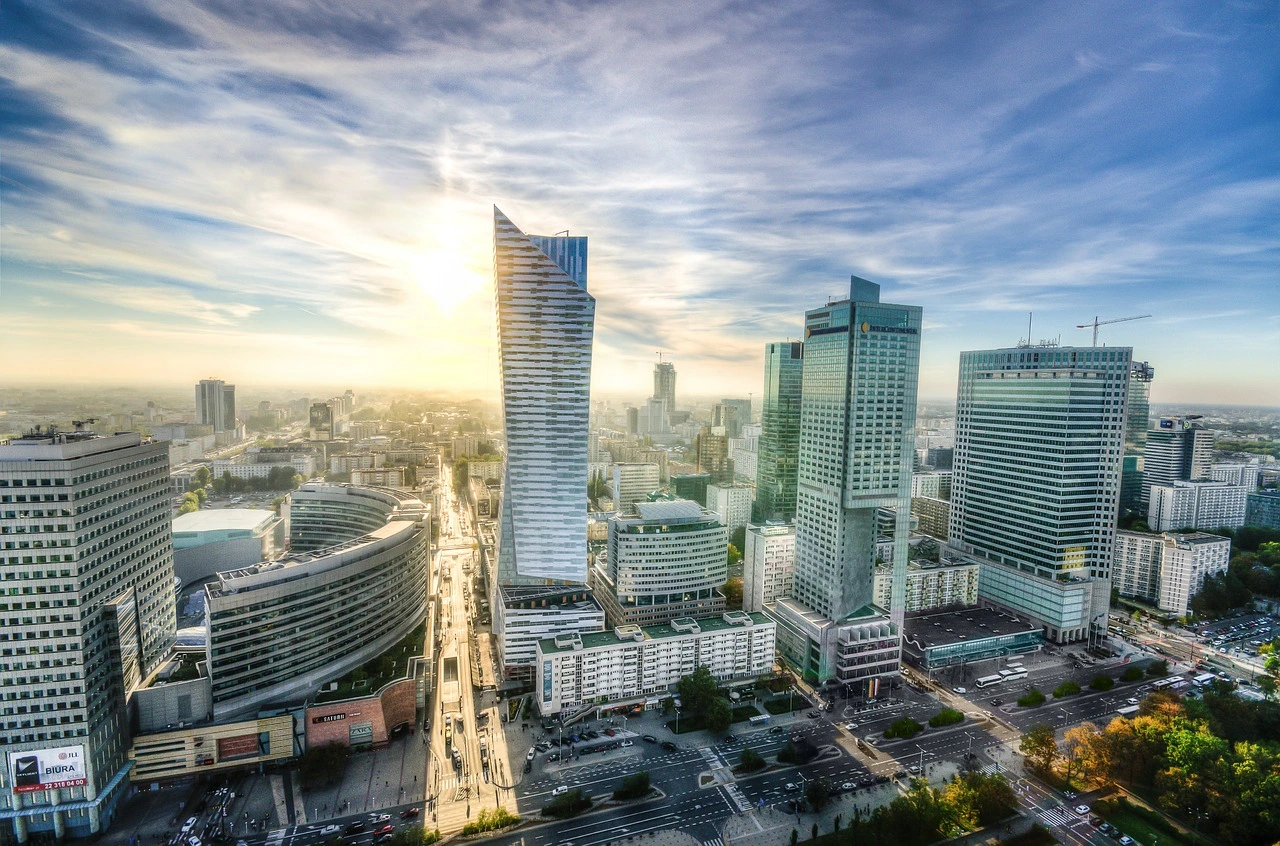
(851,726)
(1081,809)
(559,790)
(330,829)
(792,787)
(1131,701)
(960,690)
(624,744)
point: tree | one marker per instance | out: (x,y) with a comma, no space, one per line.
(633,787)
(697,690)
(190,502)
(1074,742)
(202,477)
(980,799)
(1131,674)
(817,791)
(735,555)
(460,477)
(1158,668)
(718,716)
(750,761)
(739,537)
(732,590)
(1033,698)
(1070,688)
(1102,682)
(1040,746)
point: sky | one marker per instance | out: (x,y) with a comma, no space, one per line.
(302,193)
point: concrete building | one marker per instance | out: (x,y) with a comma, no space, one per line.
(930,585)
(857,422)
(668,562)
(732,502)
(321,423)
(632,483)
(1243,475)
(691,486)
(214,539)
(172,756)
(631,662)
(321,515)
(966,636)
(356,461)
(664,383)
(1197,505)
(729,416)
(768,565)
(935,484)
(779,450)
(259,464)
(934,515)
(1263,509)
(1168,569)
(1178,449)
(464,446)
(712,451)
(526,614)
(87,554)
(385,477)
(216,404)
(1036,485)
(654,417)
(745,452)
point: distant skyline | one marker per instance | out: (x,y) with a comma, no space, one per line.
(301,194)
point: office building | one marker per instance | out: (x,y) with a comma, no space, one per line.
(857,424)
(526,614)
(87,555)
(1196,505)
(745,452)
(545,320)
(1178,449)
(712,451)
(935,484)
(1136,423)
(768,565)
(216,404)
(654,418)
(930,585)
(1167,570)
(633,421)
(631,663)
(321,515)
(732,502)
(729,416)
(214,539)
(668,562)
(966,636)
(691,486)
(320,422)
(1263,509)
(1036,484)
(664,383)
(779,450)
(633,483)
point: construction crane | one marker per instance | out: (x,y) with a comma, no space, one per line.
(1096,323)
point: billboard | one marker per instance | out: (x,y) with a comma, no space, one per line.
(47,769)
(240,746)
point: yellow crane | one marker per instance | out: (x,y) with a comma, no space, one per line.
(1096,323)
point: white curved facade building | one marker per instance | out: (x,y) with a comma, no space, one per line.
(279,629)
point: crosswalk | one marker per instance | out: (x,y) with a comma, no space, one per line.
(1058,816)
(741,801)
(715,841)
(992,769)
(448,783)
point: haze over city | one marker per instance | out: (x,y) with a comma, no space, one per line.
(303,192)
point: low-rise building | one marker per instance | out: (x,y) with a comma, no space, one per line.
(356,461)
(768,565)
(965,636)
(214,539)
(630,661)
(931,585)
(169,756)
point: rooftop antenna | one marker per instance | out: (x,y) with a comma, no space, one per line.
(1096,323)
(1029,328)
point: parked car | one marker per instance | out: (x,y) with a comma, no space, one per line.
(410,813)
(1126,840)
(554,756)
(330,829)
(648,738)
(851,726)
(1082,810)
(813,714)
(624,744)
(960,690)
(669,746)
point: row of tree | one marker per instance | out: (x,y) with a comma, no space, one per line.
(1218,756)
(1254,569)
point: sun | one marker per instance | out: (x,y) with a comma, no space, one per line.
(454,260)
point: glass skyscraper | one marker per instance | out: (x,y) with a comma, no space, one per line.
(1136,422)
(779,432)
(545,320)
(1040,438)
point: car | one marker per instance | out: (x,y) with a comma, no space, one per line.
(554,756)
(1095,820)
(1082,810)
(1131,701)
(872,739)
(997,701)
(792,787)
(354,828)
(386,829)
(528,766)
(193,841)
(610,732)
(882,779)
(529,757)
(380,818)
(796,738)
(410,813)
(1126,840)
(542,747)
(562,789)
(848,785)
(669,746)
(330,829)
(648,738)
(813,714)
(624,744)
(914,769)
(593,735)
(960,690)
(900,774)
(866,781)
(777,730)
(851,726)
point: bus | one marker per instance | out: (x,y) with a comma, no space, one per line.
(1165,683)
(1013,674)
(988,681)
(1015,665)
(1203,679)
(1127,711)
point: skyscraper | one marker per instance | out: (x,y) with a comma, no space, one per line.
(86,522)
(545,320)
(1178,449)
(1040,434)
(731,415)
(216,404)
(779,448)
(1136,422)
(664,383)
(857,427)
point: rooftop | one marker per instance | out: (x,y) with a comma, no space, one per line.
(222,519)
(638,634)
(676,509)
(965,624)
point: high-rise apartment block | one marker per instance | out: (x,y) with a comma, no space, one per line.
(931,585)
(1263,509)
(732,502)
(1244,475)
(87,554)
(545,322)
(857,425)
(668,562)
(779,447)
(1167,570)
(216,404)
(1036,485)
(1197,505)
(730,415)
(1178,449)
(768,565)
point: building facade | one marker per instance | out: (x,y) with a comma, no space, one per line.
(779,450)
(216,404)
(631,662)
(768,565)
(934,515)
(930,586)
(524,615)
(545,320)
(664,384)
(86,550)
(1178,449)
(632,483)
(214,539)
(691,486)
(1263,509)
(1168,569)
(321,514)
(1136,424)
(857,427)
(1197,505)
(732,502)
(1036,486)
(713,455)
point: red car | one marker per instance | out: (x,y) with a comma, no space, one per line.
(609,732)
(410,813)
(386,829)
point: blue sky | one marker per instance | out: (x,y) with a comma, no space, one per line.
(296,193)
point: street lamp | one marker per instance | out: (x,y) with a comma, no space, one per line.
(677,721)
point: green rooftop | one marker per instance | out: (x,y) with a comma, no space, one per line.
(639,634)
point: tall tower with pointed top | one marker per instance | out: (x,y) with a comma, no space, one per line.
(545,320)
